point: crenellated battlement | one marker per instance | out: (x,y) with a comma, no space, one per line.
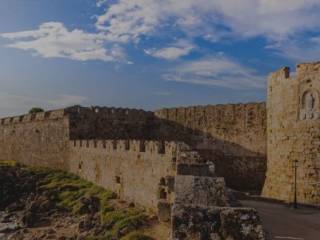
(138,170)
(227,117)
(148,147)
(193,112)
(108,111)
(283,73)
(42,116)
(304,68)
(80,112)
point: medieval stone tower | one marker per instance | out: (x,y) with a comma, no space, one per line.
(293,134)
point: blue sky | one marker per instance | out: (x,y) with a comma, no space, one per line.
(148,53)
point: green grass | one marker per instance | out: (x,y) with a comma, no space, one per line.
(67,189)
(98,238)
(129,224)
(137,236)
(9,163)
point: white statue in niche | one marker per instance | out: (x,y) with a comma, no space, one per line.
(310,101)
(308,106)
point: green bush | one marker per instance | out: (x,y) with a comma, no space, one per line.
(36,110)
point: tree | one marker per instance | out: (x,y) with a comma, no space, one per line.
(36,110)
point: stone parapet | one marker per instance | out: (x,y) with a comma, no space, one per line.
(34,117)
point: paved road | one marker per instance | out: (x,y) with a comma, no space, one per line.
(284,223)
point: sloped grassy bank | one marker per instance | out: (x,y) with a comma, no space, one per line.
(36,195)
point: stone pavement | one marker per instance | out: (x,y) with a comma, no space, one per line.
(284,223)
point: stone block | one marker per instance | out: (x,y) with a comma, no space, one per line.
(200,191)
(164,211)
(214,223)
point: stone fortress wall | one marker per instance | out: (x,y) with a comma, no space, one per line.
(232,136)
(36,139)
(294,134)
(138,171)
(158,175)
(89,142)
(43,138)
(110,123)
(243,126)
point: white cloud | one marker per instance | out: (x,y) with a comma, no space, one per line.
(299,49)
(129,20)
(315,40)
(53,39)
(175,51)
(101,3)
(216,71)
(12,104)
(270,18)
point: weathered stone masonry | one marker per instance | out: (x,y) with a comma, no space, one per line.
(161,176)
(294,134)
(158,175)
(139,171)
(232,136)
(36,139)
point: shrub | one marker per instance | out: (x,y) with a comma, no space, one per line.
(36,110)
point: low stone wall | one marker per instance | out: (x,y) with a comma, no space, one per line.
(137,170)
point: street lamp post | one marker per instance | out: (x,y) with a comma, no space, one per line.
(295,166)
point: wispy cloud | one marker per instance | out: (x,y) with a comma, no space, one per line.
(216,71)
(298,49)
(128,20)
(53,40)
(172,52)
(277,21)
(101,3)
